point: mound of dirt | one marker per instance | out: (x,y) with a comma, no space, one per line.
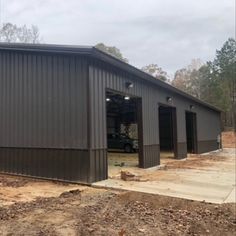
(105,212)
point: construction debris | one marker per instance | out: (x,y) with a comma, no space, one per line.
(127,176)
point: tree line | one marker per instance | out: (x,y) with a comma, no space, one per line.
(213,82)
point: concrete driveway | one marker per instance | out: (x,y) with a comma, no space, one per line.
(208,177)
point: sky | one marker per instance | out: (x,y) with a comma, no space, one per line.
(169,33)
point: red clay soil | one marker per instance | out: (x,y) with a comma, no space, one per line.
(229,139)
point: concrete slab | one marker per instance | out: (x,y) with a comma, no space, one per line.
(203,179)
(231,197)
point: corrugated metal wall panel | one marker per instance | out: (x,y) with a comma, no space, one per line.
(207,146)
(70,165)
(97,109)
(43,121)
(98,165)
(151,156)
(43,100)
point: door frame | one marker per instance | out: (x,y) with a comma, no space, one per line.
(174,126)
(194,128)
(139,124)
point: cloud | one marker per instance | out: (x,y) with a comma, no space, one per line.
(169,33)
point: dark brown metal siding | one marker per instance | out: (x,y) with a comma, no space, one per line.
(207,146)
(59,164)
(98,165)
(43,101)
(43,116)
(151,155)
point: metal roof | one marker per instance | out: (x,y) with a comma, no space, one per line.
(100,55)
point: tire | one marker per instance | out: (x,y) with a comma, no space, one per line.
(128,148)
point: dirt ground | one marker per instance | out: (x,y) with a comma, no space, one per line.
(229,139)
(104,212)
(197,162)
(193,161)
(15,189)
(37,208)
(118,161)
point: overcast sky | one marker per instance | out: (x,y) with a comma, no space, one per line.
(167,32)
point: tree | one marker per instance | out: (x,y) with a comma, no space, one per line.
(213,82)
(225,69)
(195,64)
(187,79)
(155,71)
(11,33)
(210,87)
(181,80)
(114,51)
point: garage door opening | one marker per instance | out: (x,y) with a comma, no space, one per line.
(167,133)
(123,132)
(191,132)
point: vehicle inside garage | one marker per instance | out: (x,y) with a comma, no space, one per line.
(122,130)
(167,132)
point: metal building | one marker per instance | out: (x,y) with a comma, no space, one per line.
(53,112)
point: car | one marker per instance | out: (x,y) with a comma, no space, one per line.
(122,142)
